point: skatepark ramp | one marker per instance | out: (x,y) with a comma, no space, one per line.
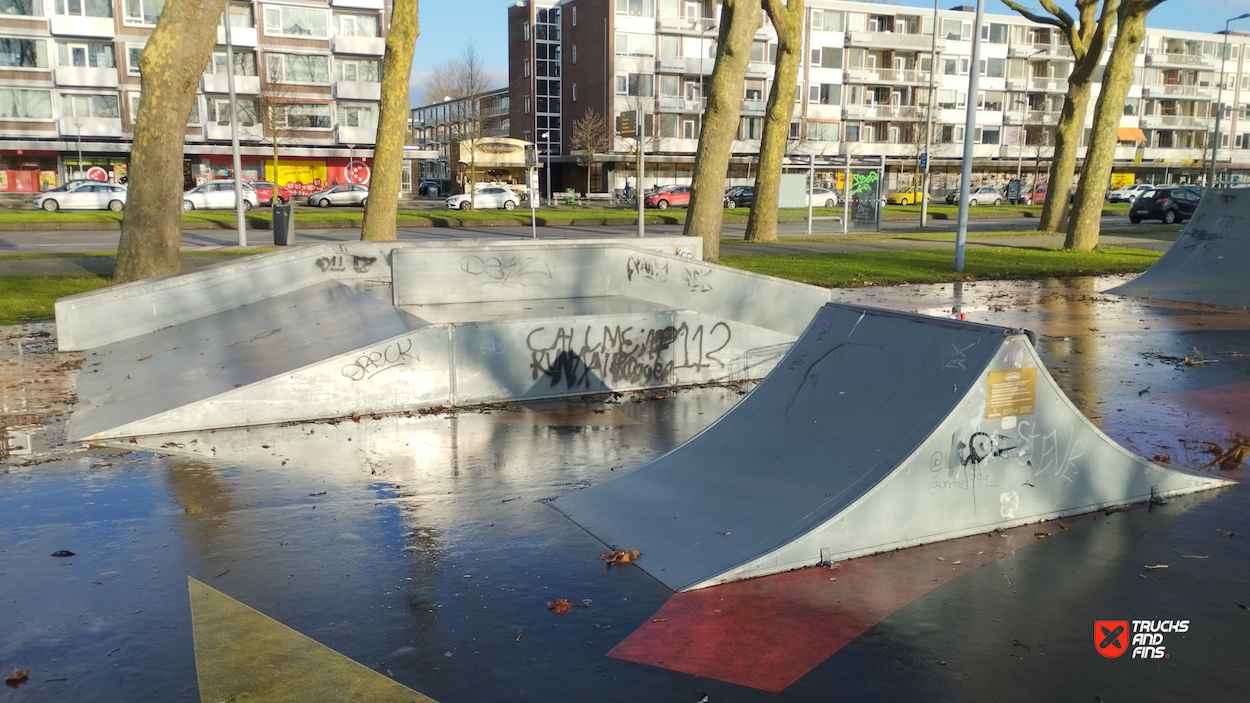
(879,430)
(1208,262)
(326,331)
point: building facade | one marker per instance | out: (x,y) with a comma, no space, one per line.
(306,72)
(864,90)
(437,126)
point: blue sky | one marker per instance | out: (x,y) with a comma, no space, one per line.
(448,25)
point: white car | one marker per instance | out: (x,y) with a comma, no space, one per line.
(218,195)
(84,196)
(823,197)
(488,198)
(1128,194)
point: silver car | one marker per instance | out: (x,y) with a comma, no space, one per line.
(489,198)
(218,195)
(341,194)
(823,197)
(84,196)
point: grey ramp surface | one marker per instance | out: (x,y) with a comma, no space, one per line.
(879,430)
(1209,261)
(829,423)
(195,360)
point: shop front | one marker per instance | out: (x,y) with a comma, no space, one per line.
(24,171)
(299,175)
(489,161)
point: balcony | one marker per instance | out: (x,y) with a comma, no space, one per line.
(1175,122)
(893,40)
(756,69)
(356,136)
(1040,52)
(91,127)
(754,108)
(1031,117)
(676,104)
(1181,61)
(366,46)
(686,65)
(239,36)
(356,90)
(82,76)
(358,4)
(1182,92)
(685,25)
(220,131)
(1017,85)
(883,112)
(243,85)
(77,26)
(1048,85)
(887,75)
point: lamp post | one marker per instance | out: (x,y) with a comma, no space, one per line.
(78,126)
(928,130)
(240,222)
(1219,112)
(547,152)
(970,121)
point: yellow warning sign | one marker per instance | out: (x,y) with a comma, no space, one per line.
(1012,392)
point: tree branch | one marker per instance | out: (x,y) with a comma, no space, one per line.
(1031,15)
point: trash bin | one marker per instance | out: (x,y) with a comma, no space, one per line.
(283,225)
(570,196)
(432,191)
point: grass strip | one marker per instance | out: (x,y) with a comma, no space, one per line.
(852,270)
(25,298)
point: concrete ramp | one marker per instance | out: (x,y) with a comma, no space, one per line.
(879,430)
(1209,261)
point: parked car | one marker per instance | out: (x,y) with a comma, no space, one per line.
(909,196)
(71,185)
(981,195)
(92,195)
(739,196)
(429,188)
(1128,194)
(270,193)
(341,194)
(488,198)
(1166,204)
(218,195)
(823,197)
(663,198)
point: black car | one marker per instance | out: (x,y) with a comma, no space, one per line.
(740,196)
(1166,204)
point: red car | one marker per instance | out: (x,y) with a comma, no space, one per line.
(668,196)
(265,191)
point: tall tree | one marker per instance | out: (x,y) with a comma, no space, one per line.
(787,18)
(1087,35)
(591,136)
(1083,224)
(393,114)
(462,82)
(739,20)
(170,68)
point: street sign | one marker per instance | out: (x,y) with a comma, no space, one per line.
(924,161)
(531,155)
(627,124)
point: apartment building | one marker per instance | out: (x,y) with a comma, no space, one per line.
(436,126)
(307,74)
(864,90)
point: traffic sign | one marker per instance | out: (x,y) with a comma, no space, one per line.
(627,124)
(924,161)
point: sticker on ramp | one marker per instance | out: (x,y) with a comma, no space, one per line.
(1012,392)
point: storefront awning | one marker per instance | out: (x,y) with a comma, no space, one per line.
(1131,134)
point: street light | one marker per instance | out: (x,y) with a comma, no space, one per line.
(78,125)
(1215,143)
(547,152)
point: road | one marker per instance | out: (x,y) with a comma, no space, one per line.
(70,241)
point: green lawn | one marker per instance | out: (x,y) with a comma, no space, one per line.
(25,298)
(934,265)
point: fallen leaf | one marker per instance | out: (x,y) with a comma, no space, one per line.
(145,358)
(620,556)
(561,607)
(1156,566)
(17,678)
(1041,535)
(355,417)
(64,553)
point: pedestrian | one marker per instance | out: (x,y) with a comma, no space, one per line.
(628,191)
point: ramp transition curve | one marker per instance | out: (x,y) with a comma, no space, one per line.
(879,430)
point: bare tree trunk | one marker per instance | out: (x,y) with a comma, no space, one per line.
(1086,215)
(739,21)
(1063,161)
(388,151)
(170,66)
(788,20)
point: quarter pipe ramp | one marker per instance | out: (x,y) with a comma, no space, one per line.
(879,430)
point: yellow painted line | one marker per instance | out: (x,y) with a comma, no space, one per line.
(244,655)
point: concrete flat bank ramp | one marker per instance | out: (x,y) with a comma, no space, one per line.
(1209,261)
(328,331)
(879,430)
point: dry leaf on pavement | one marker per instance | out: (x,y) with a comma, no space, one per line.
(620,556)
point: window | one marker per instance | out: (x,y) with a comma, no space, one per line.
(29,8)
(294,21)
(19,104)
(989,135)
(297,68)
(23,53)
(827,57)
(87,8)
(852,133)
(670,86)
(143,11)
(752,127)
(826,94)
(822,131)
(219,112)
(240,16)
(948,99)
(635,44)
(1131,108)
(356,25)
(74,105)
(305,116)
(818,19)
(573,56)
(525,67)
(994,33)
(574,92)
(573,19)
(833,20)
(526,104)
(358,70)
(244,63)
(525,30)
(952,29)
(991,100)
(85,55)
(635,8)
(132,59)
(358,115)
(636,84)
(759,51)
